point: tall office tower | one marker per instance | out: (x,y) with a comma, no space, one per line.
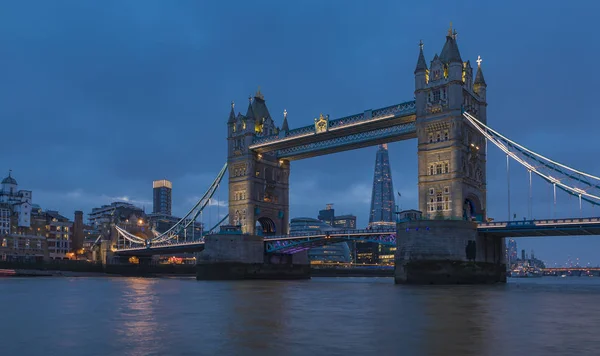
(382,198)
(162,197)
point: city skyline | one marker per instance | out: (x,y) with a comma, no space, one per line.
(106,112)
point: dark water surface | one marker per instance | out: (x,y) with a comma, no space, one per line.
(322,316)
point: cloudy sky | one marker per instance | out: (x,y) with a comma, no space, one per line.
(99,98)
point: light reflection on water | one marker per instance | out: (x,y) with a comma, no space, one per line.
(323,316)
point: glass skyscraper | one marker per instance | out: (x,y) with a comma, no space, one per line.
(383,208)
(382,198)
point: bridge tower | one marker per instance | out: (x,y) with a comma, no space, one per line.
(451,154)
(258,183)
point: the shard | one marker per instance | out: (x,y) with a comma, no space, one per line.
(382,198)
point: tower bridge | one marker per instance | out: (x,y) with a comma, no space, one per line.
(453,243)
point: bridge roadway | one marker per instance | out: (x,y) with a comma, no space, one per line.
(387,236)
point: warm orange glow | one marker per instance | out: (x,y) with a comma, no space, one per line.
(134,260)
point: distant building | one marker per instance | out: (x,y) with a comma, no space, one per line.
(100,218)
(347,221)
(382,197)
(162,197)
(383,208)
(78,235)
(328,216)
(59,234)
(511,252)
(20,240)
(339,252)
(18,202)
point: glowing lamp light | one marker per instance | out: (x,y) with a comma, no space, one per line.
(140,221)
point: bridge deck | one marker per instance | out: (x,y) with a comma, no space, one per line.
(535,228)
(302,241)
(392,123)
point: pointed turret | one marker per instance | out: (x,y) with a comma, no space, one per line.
(479,86)
(284,127)
(479,80)
(231,114)
(421,64)
(450,52)
(250,112)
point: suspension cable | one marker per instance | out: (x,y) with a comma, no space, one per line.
(572,190)
(472,118)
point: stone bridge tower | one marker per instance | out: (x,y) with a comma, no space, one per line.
(451,153)
(258,183)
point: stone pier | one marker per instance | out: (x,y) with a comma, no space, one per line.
(242,256)
(447,252)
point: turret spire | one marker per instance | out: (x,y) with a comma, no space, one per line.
(232,114)
(450,52)
(259,95)
(479,80)
(284,127)
(421,64)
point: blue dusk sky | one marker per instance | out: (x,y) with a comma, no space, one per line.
(99,98)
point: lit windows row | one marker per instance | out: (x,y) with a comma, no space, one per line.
(439,200)
(239,195)
(439,168)
(439,136)
(16,243)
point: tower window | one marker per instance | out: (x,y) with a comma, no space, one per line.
(436,96)
(431,172)
(430,138)
(446,135)
(438,169)
(439,137)
(446,167)
(431,191)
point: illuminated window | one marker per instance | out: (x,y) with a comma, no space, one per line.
(27,243)
(4,242)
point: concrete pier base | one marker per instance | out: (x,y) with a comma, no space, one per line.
(236,256)
(447,252)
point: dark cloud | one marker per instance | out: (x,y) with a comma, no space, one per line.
(100,98)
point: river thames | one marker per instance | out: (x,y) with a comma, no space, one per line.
(322,316)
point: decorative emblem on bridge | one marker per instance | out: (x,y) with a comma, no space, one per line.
(322,124)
